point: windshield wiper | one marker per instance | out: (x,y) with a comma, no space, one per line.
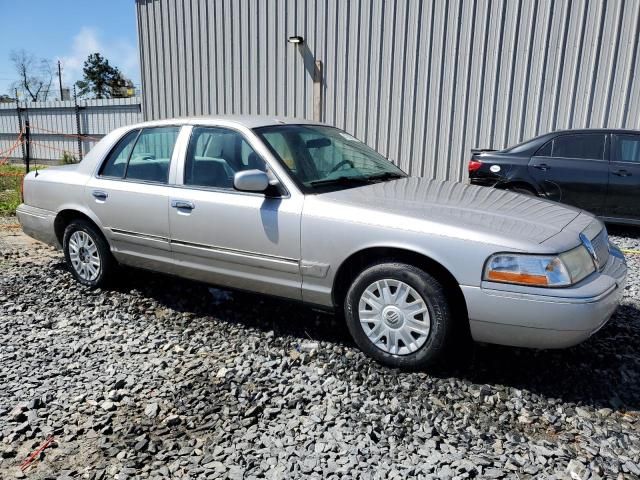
(341,181)
(344,180)
(385,176)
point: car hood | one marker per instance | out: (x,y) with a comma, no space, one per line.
(503,217)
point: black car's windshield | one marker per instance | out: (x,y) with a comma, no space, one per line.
(321,158)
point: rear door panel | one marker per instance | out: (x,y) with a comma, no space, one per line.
(135,215)
(130,197)
(581,182)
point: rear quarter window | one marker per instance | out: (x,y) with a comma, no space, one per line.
(545,150)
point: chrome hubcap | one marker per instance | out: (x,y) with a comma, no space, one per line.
(394,316)
(84,256)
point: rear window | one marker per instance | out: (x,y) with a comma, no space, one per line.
(521,147)
(588,146)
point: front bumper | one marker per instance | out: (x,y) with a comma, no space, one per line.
(38,223)
(545,318)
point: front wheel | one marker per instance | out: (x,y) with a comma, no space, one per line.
(399,315)
(87,253)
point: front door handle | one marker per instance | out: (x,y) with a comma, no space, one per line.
(542,166)
(100,195)
(622,173)
(182,204)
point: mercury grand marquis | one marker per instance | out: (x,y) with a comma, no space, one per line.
(306,211)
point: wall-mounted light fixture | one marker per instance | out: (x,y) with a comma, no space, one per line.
(296,39)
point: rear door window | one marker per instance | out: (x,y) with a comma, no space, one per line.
(588,146)
(150,158)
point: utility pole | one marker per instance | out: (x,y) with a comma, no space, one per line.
(27,143)
(78,132)
(60,79)
(19,113)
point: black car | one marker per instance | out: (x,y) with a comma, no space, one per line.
(597,170)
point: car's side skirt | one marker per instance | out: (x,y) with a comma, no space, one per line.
(229,255)
(621,221)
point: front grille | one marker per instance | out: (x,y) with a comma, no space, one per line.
(601,247)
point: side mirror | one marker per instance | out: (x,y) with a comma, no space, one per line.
(251,181)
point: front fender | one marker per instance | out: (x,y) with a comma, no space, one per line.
(463,259)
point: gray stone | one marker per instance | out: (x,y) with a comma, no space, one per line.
(577,470)
(172,420)
(152,410)
(238,389)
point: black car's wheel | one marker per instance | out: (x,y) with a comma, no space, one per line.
(399,315)
(87,253)
(522,190)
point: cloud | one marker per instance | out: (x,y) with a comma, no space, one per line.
(120,53)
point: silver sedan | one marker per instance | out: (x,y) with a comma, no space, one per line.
(306,211)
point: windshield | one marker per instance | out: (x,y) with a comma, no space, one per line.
(320,158)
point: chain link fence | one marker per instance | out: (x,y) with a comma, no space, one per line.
(60,130)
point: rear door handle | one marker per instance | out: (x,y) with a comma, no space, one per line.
(100,195)
(542,166)
(182,204)
(622,173)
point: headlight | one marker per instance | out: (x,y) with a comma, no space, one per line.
(540,270)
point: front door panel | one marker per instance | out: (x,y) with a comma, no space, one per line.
(241,240)
(623,198)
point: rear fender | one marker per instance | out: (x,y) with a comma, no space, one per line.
(74,207)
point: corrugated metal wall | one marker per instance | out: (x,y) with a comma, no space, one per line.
(53,125)
(423,82)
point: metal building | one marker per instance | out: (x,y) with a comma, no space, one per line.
(422,82)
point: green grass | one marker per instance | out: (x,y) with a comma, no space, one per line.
(9,189)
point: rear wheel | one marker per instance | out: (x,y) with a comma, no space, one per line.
(399,315)
(522,190)
(87,253)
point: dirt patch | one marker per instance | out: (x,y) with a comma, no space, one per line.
(14,243)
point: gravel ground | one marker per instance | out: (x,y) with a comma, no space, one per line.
(164,378)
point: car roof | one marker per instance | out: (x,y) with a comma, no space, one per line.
(594,130)
(248,121)
(534,143)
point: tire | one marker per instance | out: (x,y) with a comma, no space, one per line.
(523,191)
(425,347)
(87,254)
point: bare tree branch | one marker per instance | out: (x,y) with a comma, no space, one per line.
(35,76)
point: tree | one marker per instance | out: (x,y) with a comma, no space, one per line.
(101,79)
(34,75)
